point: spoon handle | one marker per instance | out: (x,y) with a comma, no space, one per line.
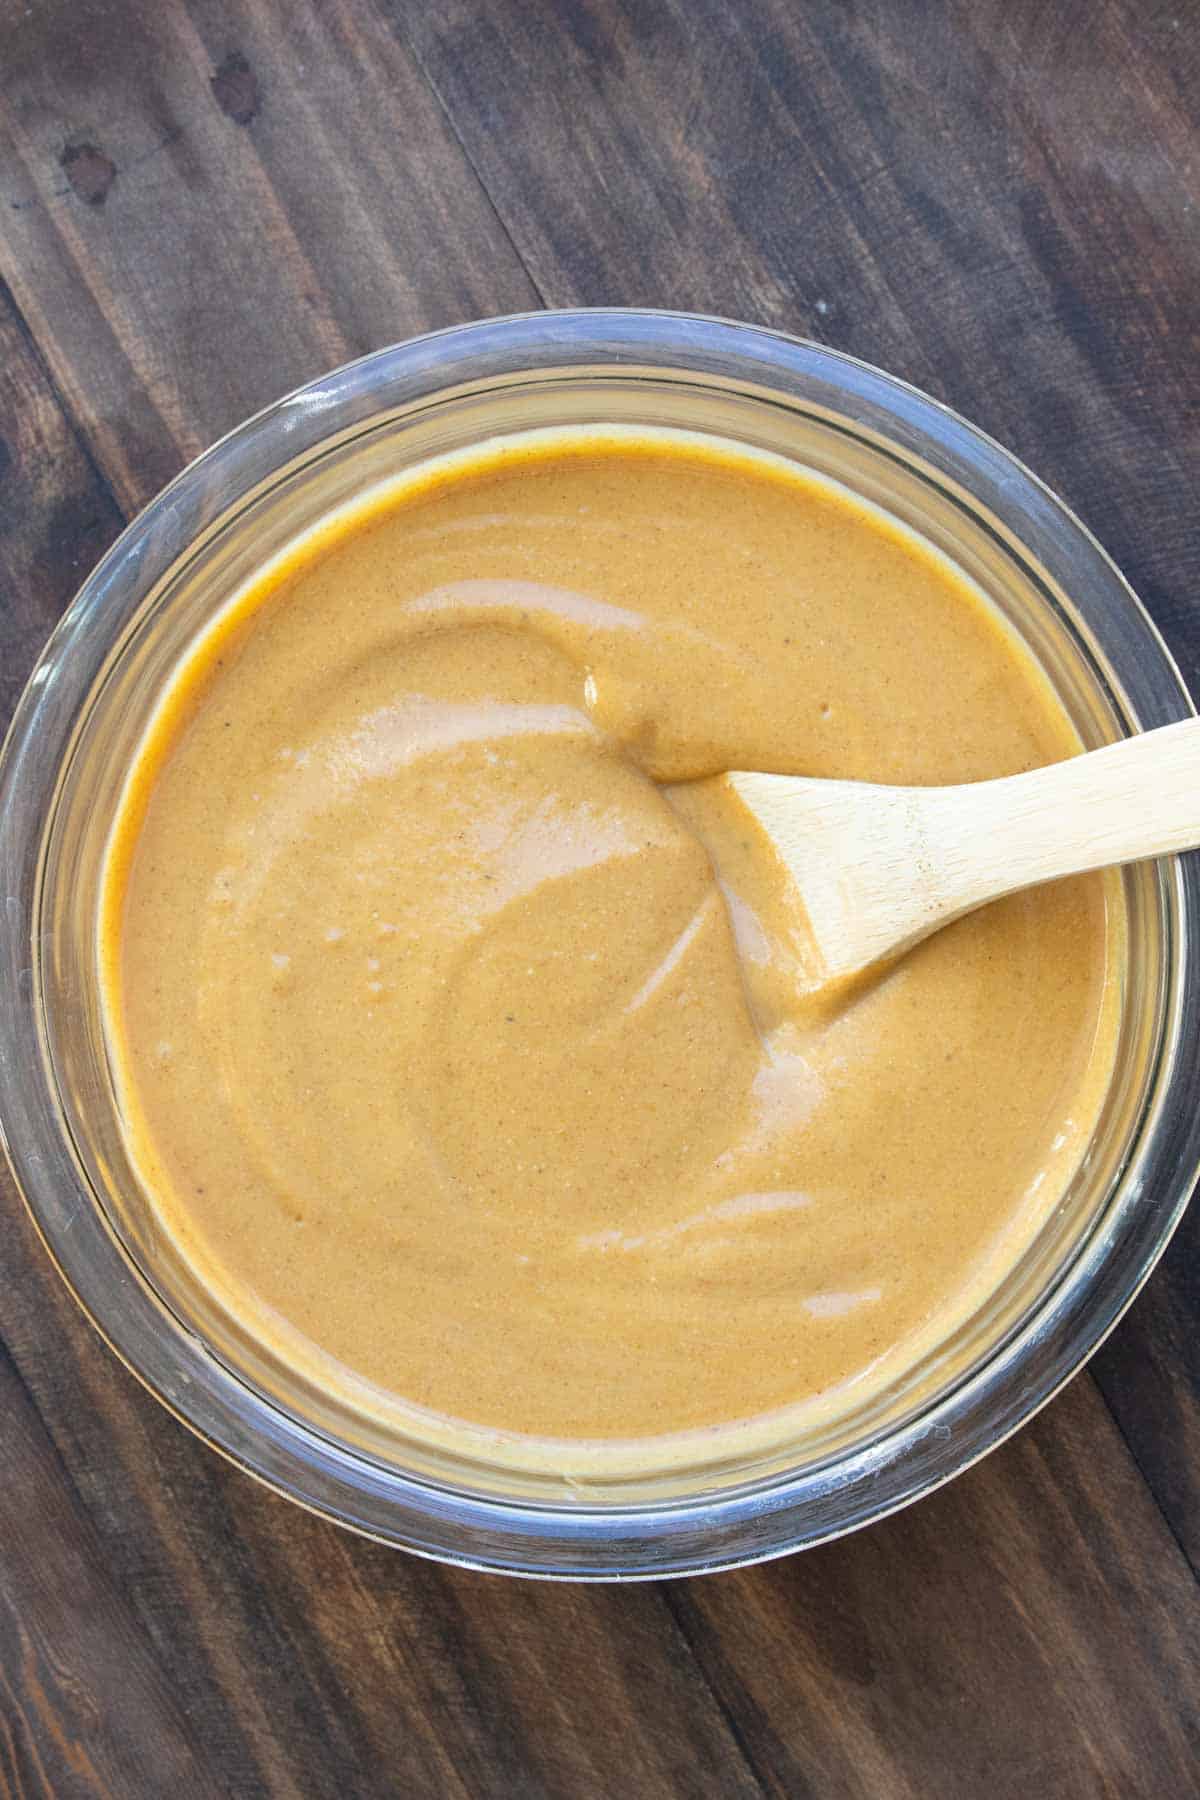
(1136,798)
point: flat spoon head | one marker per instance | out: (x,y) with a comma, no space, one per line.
(879,868)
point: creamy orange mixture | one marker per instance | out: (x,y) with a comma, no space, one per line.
(460,1022)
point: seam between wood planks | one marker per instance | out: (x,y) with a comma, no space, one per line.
(1132,1454)
(73,423)
(83,1511)
(728,1717)
(397,29)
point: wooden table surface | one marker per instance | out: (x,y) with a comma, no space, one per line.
(206,202)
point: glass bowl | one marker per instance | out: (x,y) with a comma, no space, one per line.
(63,766)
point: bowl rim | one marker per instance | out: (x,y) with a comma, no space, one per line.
(599,1543)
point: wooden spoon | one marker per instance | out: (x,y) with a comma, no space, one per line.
(879,868)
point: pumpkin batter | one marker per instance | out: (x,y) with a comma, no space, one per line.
(460,1024)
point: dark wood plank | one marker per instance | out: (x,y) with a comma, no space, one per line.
(57,514)
(1149,1372)
(995,201)
(85,1706)
(284,194)
(204,203)
(534,1689)
(1021,1633)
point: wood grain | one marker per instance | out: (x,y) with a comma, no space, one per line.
(87,1707)
(994,201)
(1020,1633)
(57,513)
(203,202)
(254,233)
